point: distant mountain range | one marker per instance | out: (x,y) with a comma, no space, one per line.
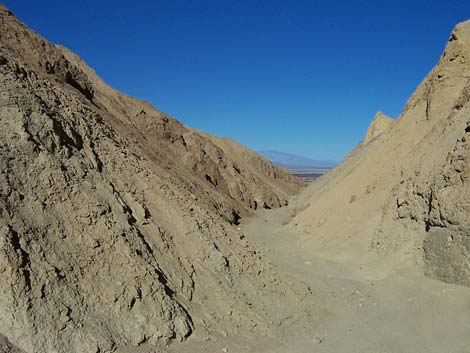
(296,163)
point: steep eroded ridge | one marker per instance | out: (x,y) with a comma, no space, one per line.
(116,220)
(405,191)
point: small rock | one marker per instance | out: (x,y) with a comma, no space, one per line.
(318,340)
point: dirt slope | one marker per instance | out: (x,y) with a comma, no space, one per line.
(404,192)
(116,221)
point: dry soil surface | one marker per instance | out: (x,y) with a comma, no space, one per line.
(372,308)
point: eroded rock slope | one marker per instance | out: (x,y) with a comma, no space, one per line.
(405,190)
(116,221)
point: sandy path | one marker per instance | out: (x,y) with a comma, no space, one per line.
(369,309)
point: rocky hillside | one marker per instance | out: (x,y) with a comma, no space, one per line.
(116,220)
(405,190)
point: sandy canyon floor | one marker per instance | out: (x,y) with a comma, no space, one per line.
(371,308)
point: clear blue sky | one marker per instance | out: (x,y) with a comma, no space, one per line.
(304,77)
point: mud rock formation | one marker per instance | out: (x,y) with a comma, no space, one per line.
(380,124)
(116,220)
(405,191)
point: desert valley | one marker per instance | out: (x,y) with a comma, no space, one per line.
(123,230)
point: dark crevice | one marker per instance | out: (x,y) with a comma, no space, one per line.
(23,255)
(209,179)
(143,341)
(147,214)
(266,206)
(58,272)
(236,217)
(75,141)
(130,217)
(99,163)
(237,169)
(83,90)
(183,141)
(50,69)
(428,218)
(131,303)
(428,107)
(188,317)
(161,276)
(20,72)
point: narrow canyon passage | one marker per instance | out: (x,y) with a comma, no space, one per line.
(371,307)
(122,229)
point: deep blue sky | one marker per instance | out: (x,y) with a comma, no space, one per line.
(304,77)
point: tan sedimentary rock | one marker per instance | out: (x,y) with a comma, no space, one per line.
(380,124)
(116,220)
(405,190)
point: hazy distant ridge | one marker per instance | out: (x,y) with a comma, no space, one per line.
(295,162)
